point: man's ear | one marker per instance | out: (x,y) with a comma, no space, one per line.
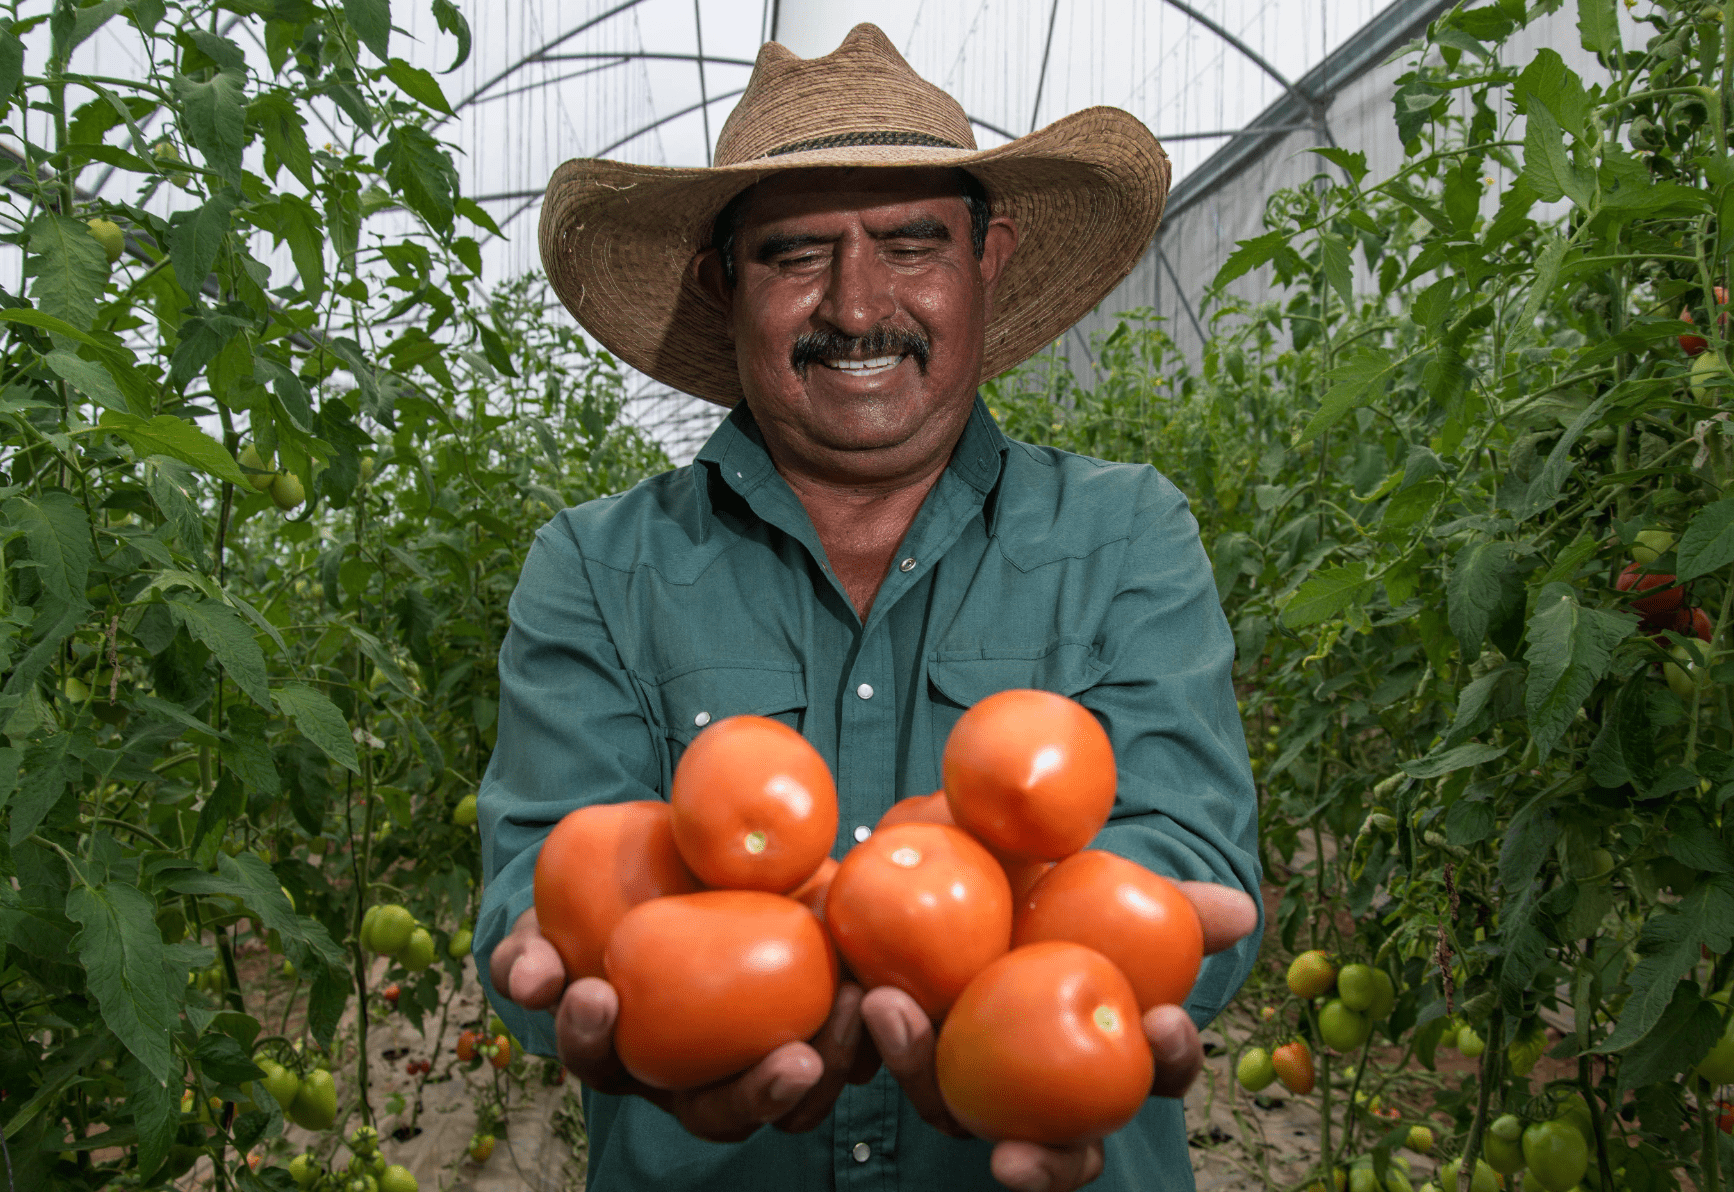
(707,272)
(997,248)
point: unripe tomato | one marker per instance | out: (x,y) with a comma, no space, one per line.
(367,469)
(1502,1145)
(418,950)
(1138,919)
(280,1082)
(315,1104)
(1635,578)
(922,907)
(502,1056)
(464,814)
(753,806)
(1683,674)
(1045,1046)
(1470,1043)
(262,474)
(1311,975)
(458,946)
(481,1146)
(1555,1154)
(710,983)
(1294,1067)
(1718,1066)
(1421,1140)
(466,1046)
(304,1170)
(1029,773)
(1255,1071)
(108,234)
(1355,986)
(1384,996)
(1709,377)
(816,890)
(391,929)
(598,863)
(1483,1179)
(1342,1028)
(287,491)
(397,1178)
(1650,545)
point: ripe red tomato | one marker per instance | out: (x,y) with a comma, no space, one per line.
(1634,577)
(1023,873)
(1701,627)
(1294,1067)
(1137,919)
(922,907)
(1045,1046)
(710,983)
(597,864)
(502,1057)
(1029,773)
(753,805)
(1694,345)
(391,993)
(813,892)
(918,809)
(466,1046)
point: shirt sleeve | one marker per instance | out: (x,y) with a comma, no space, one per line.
(571,733)
(1186,806)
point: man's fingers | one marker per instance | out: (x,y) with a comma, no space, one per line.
(1176,1048)
(905,1039)
(836,1044)
(1026,1167)
(537,976)
(584,1034)
(867,1062)
(730,1111)
(1226,914)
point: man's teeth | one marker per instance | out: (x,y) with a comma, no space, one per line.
(864,366)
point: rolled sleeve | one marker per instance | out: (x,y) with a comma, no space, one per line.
(572,733)
(1186,807)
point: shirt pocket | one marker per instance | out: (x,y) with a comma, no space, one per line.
(689,699)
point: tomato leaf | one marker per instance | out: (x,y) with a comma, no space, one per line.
(196,237)
(1599,31)
(1570,646)
(58,535)
(224,633)
(69,269)
(1459,758)
(371,20)
(123,956)
(1355,382)
(1325,594)
(1484,589)
(156,1112)
(1708,542)
(418,84)
(319,721)
(450,20)
(167,435)
(214,116)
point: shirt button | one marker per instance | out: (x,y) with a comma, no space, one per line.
(906,565)
(862,1152)
(702,719)
(865,691)
(862,833)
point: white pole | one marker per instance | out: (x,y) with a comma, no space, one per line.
(813,28)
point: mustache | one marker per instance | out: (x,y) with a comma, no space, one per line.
(814,347)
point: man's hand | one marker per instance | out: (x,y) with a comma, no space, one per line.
(792,1088)
(906,1040)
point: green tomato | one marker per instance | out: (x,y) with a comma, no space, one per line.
(464,814)
(1708,376)
(1555,1154)
(1384,996)
(418,952)
(315,1104)
(304,1170)
(1255,1070)
(280,1082)
(1682,674)
(397,1178)
(1651,545)
(1421,1140)
(1470,1043)
(458,946)
(287,491)
(1718,1066)
(1504,1155)
(1355,986)
(1342,1028)
(250,458)
(109,235)
(367,922)
(1363,1179)
(391,930)
(1484,1179)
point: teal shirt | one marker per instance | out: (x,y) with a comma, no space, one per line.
(704,592)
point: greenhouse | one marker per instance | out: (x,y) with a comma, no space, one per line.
(958,594)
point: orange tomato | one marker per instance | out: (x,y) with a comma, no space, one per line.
(753,804)
(710,983)
(598,863)
(1294,1067)
(1029,773)
(466,1046)
(813,892)
(922,907)
(1045,1046)
(502,1057)
(1137,919)
(1023,873)
(918,809)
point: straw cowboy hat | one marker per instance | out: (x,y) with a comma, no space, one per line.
(618,240)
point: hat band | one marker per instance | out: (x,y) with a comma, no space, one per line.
(845,139)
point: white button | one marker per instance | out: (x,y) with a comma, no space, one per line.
(737,475)
(865,691)
(862,1152)
(702,719)
(862,833)
(906,565)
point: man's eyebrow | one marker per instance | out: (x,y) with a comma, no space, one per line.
(921,228)
(776,245)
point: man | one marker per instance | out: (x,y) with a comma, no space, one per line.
(860,553)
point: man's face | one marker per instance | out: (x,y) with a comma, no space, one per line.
(858,314)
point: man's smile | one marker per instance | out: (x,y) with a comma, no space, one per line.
(865,368)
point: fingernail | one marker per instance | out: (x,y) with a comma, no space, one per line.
(786,1089)
(1173,1045)
(587,1016)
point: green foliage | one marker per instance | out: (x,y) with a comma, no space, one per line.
(226,728)
(1418,492)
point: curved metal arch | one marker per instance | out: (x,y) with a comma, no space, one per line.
(658,55)
(1248,51)
(534,55)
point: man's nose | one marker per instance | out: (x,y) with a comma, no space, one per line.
(860,294)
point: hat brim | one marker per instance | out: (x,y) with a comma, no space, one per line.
(618,240)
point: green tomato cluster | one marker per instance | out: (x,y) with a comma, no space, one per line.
(390,930)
